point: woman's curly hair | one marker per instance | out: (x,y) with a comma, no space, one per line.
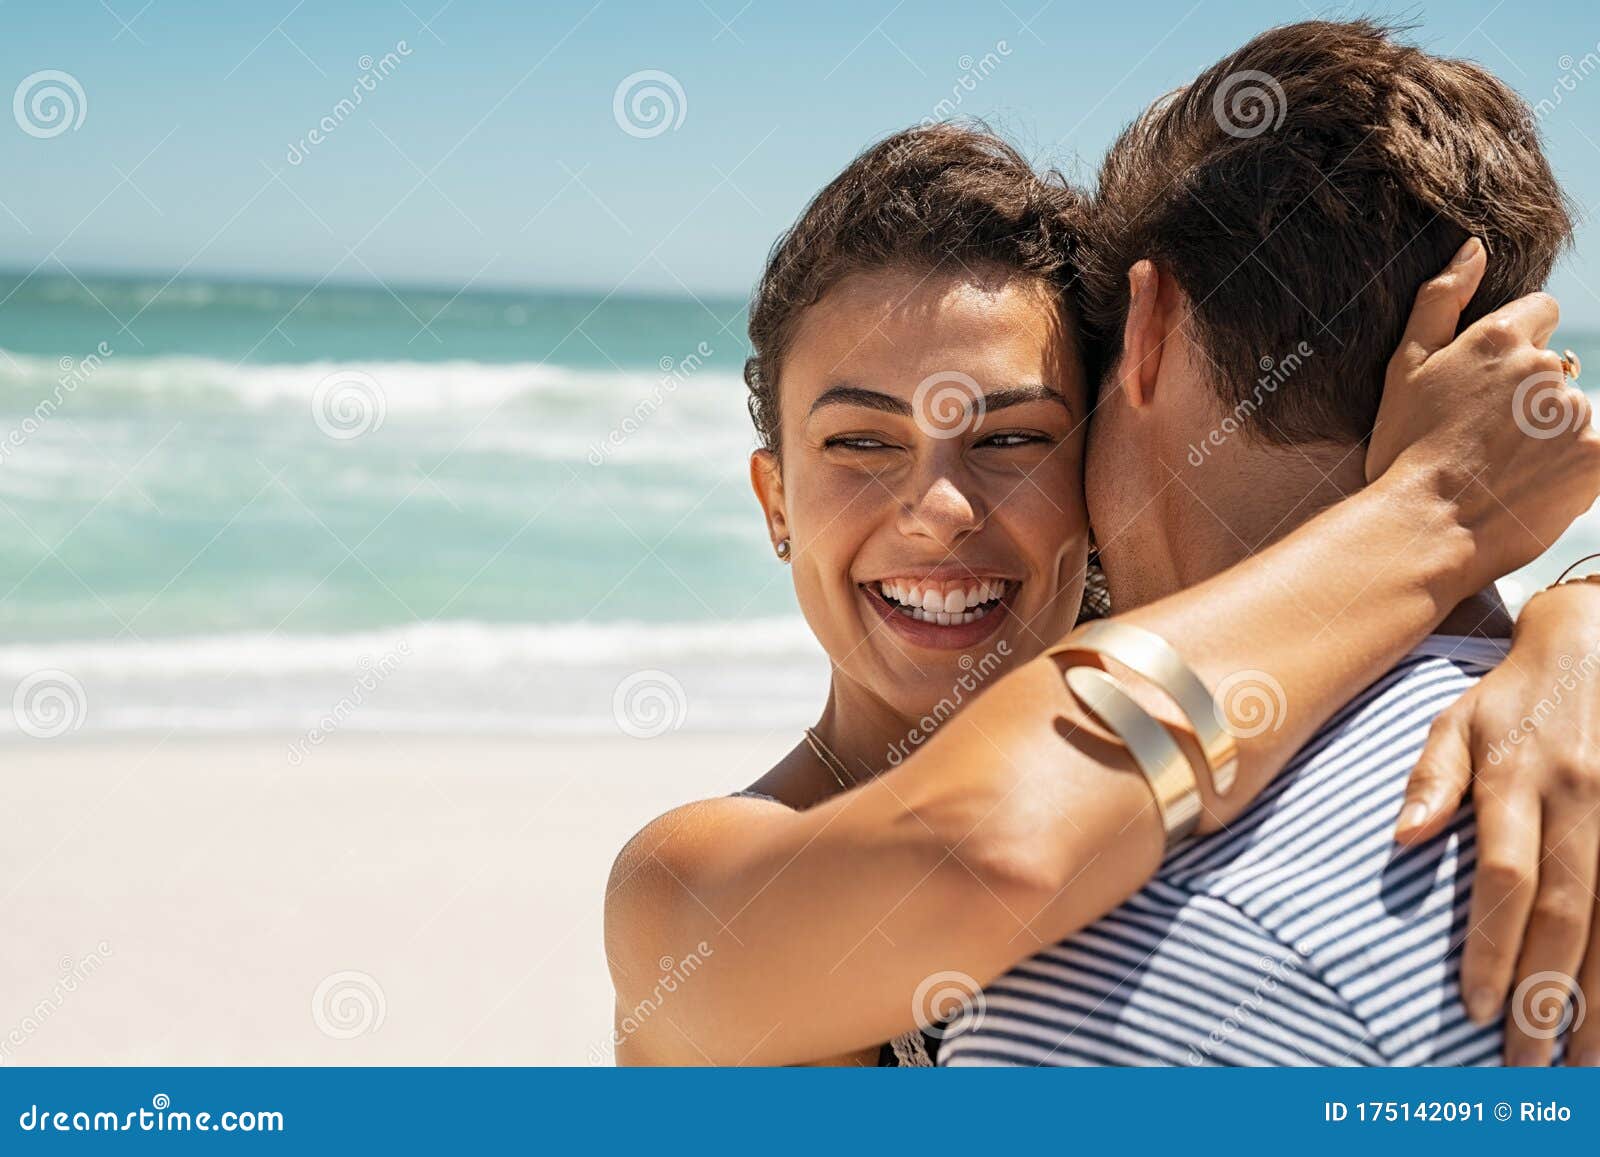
(943,196)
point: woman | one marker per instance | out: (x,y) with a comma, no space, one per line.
(938,552)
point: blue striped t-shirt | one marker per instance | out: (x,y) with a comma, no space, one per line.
(1302,935)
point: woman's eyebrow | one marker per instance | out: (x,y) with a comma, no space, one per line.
(876,400)
(858,396)
(1022,395)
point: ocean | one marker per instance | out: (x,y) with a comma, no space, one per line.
(231,506)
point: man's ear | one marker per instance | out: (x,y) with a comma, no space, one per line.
(1143,334)
(766,479)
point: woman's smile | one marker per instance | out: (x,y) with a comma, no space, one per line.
(941,613)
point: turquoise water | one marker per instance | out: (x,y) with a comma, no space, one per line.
(238,497)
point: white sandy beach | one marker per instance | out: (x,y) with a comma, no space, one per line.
(181,902)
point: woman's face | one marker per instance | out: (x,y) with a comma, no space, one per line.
(931,478)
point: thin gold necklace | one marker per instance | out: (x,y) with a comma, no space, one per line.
(831,761)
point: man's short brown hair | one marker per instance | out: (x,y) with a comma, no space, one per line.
(945,197)
(1301,190)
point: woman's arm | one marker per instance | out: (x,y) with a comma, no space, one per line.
(1526,738)
(1017,823)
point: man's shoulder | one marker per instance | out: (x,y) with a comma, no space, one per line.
(1304,919)
(1346,784)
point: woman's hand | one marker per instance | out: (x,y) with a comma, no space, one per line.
(1461,416)
(1528,738)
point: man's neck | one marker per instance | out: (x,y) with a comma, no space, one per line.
(1238,504)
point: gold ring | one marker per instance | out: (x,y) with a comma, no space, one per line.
(1571,367)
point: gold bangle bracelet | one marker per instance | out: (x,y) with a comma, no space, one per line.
(1151,657)
(1154,752)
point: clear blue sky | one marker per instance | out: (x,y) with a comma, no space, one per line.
(491,153)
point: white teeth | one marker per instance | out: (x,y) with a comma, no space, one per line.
(946,609)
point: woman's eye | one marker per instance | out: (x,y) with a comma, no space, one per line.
(856,442)
(1006,441)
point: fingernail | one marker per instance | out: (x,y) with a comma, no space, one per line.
(1467,252)
(1412,816)
(1482,1005)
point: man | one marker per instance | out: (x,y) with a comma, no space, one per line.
(1259,238)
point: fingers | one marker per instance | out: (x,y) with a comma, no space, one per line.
(1531,319)
(1438,782)
(1437,309)
(1583,1046)
(1556,935)
(1502,894)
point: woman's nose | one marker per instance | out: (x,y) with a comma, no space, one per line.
(942,509)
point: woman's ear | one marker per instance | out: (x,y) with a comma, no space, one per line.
(766,479)
(1143,334)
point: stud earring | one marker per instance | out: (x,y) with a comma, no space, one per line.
(783,549)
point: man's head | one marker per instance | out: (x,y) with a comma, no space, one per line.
(1257,241)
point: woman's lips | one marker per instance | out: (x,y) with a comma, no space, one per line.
(935,636)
